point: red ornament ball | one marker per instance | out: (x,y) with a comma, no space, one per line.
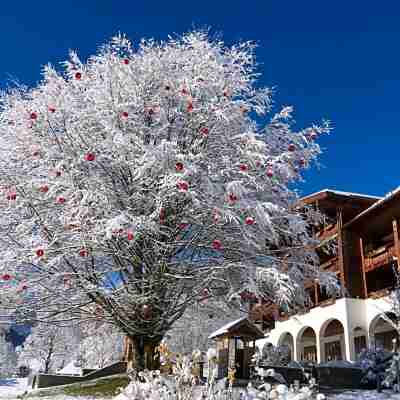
(33,115)
(44,189)
(39,252)
(130,236)
(12,196)
(58,173)
(190,107)
(126,61)
(249,221)
(60,200)
(204,131)
(90,157)
(6,277)
(291,147)
(216,218)
(232,198)
(78,75)
(184,92)
(52,109)
(183,186)
(24,287)
(270,173)
(125,114)
(179,167)
(302,162)
(216,244)
(83,252)
(243,167)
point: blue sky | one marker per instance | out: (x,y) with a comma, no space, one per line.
(337,60)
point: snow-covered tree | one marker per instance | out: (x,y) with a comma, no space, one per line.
(48,347)
(192,330)
(147,179)
(102,345)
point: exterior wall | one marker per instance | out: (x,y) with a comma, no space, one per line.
(357,316)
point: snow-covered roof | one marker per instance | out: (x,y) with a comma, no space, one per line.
(340,193)
(383,200)
(226,328)
(70,369)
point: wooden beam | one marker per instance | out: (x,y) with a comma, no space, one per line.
(364,276)
(316,293)
(396,241)
(339,223)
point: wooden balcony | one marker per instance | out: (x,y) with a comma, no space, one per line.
(331,265)
(379,257)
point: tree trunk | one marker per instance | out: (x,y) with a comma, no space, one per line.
(140,353)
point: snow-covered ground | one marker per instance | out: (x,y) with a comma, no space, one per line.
(11,388)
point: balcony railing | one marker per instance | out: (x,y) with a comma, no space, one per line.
(326,232)
(331,265)
(379,257)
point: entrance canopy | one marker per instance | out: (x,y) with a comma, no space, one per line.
(241,327)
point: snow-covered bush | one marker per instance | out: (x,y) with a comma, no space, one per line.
(373,362)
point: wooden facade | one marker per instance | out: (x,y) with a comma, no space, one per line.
(366,231)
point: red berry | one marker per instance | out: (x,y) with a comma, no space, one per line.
(162,215)
(183,186)
(216,244)
(6,277)
(179,166)
(146,311)
(232,198)
(270,173)
(78,75)
(190,107)
(33,115)
(183,225)
(291,147)
(184,92)
(39,252)
(24,287)
(216,218)
(249,221)
(130,236)
(204,131)
(150,111)
(60,200)
(57,173)
(226,93)
(83,253)
(12,196)
(124,114)
(44,189)
(302,162)
(52,109)
(90,157)
(243,167)
(126,61)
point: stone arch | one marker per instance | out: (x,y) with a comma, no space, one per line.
(307,344)
(286,339)
(382,332)
(332,340)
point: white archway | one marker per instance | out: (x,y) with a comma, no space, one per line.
(333,345)
(286,339)
(382,331)
(307,345)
